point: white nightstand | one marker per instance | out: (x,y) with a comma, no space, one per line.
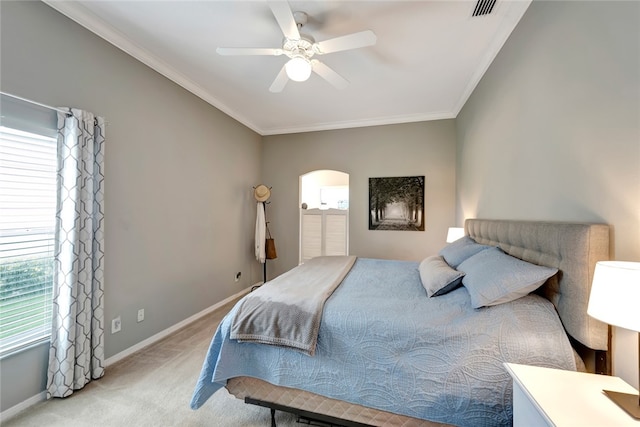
(553,397)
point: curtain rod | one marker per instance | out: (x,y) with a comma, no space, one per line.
(39,104)
(34,102)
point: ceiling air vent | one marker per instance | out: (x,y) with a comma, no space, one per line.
(483,7)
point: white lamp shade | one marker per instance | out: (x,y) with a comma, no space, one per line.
(615,294)
(454,234)
(298,69)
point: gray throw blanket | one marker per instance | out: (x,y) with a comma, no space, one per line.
(287,310)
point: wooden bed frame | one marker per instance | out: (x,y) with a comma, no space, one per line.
(573,248)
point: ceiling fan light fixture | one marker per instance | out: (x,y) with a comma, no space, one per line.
(298,68)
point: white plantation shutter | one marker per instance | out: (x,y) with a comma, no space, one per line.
(335,236)
(323,232)
(311,235)
(27,223)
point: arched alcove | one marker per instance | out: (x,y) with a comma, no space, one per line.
(324,214)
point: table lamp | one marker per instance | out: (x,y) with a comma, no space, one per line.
(454,234)
(614,299)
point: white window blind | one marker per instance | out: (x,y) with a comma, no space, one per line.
(27,227)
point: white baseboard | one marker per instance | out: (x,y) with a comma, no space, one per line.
(163,334)
(14,410)
(42,396)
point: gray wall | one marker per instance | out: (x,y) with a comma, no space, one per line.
(178,181)
(425,148)
(552,132)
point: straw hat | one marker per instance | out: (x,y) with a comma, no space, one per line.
(262,193)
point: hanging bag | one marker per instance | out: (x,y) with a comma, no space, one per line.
(270,246)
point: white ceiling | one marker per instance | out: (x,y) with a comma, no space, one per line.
(428,58)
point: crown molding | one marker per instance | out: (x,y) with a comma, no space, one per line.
(512,16)
(382,121)
(77,13)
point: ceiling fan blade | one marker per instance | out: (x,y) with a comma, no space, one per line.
(280,82)
(350,41)
(286,21)
(248,51)
(329,75)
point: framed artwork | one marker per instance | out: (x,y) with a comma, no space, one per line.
(396,203)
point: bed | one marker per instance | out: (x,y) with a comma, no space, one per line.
(387,353)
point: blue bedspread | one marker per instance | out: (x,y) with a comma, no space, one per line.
(384,344)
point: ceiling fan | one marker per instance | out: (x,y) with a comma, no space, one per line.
(301,48)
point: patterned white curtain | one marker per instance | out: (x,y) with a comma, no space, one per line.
(76,355)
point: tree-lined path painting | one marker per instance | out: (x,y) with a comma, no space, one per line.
(396,203)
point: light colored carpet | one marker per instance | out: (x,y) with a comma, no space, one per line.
(153,387)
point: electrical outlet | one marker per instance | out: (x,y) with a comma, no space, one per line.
(238,274)
(140,315)
(116,325)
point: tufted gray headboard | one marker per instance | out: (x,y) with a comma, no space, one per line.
(573,248)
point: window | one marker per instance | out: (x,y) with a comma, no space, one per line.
(27,228)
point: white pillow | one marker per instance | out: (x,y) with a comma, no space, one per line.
(437,277)
(493,277)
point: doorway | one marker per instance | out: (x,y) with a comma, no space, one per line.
(324,214)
